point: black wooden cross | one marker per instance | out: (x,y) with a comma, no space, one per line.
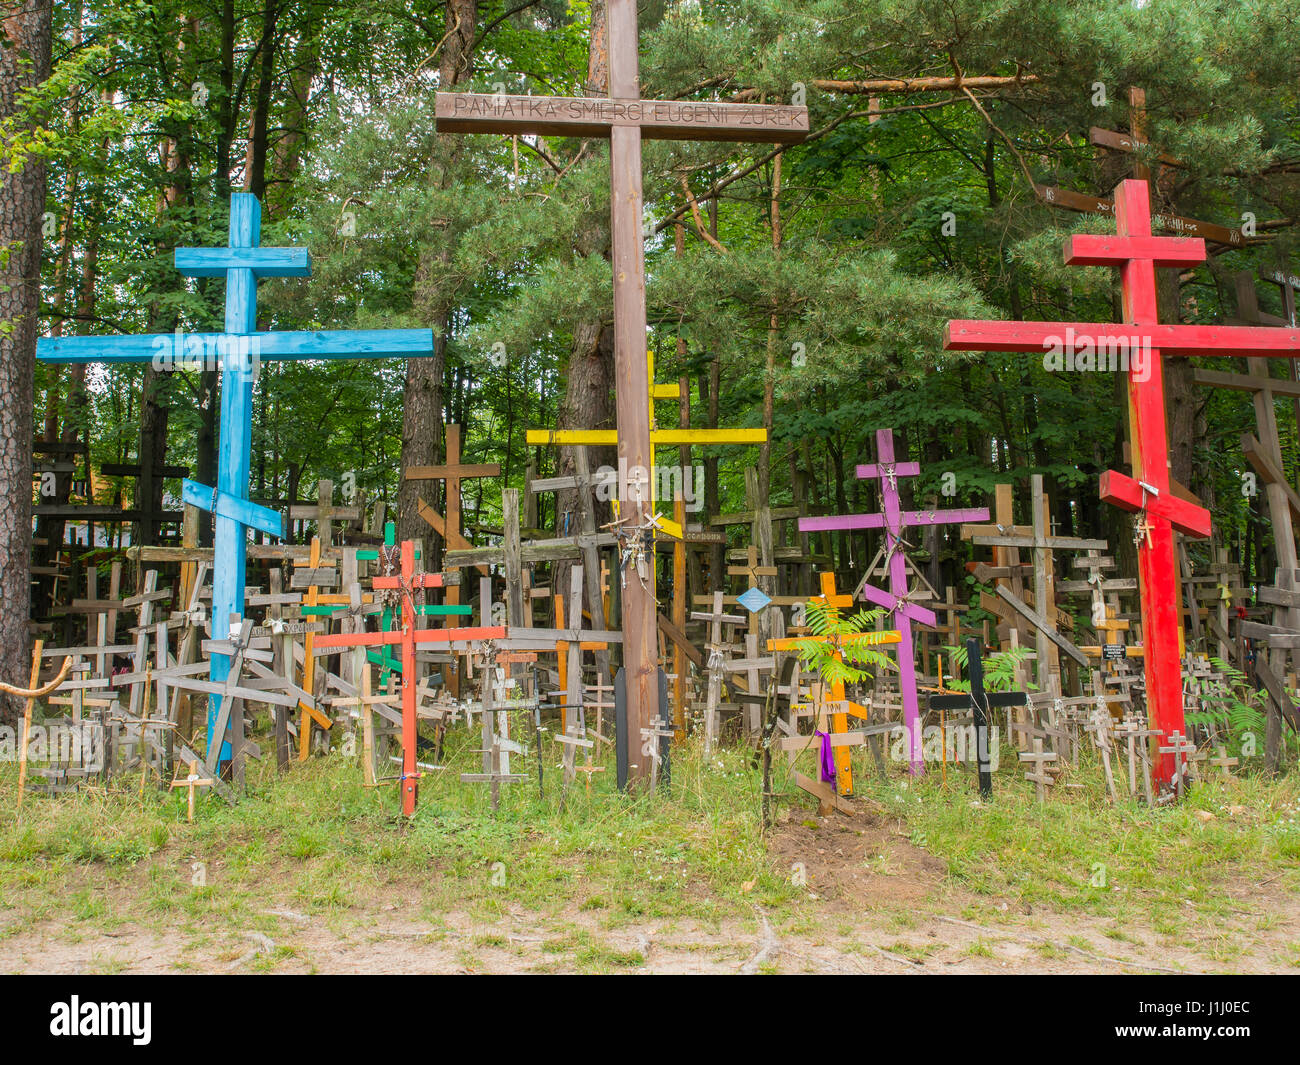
(626,118)
(978,702)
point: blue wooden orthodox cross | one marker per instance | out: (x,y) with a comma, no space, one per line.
(238,351)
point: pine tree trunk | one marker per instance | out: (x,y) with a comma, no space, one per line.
(255,177)
(50,530)
(588,401)
(422,406)
(24,62)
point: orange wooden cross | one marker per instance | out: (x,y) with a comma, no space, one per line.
(840,717)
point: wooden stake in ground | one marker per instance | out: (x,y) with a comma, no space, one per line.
(192,781)
(1037,771)
(1100,727)
(27,719)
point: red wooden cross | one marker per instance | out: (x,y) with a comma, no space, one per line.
(1137,253)
(409,637)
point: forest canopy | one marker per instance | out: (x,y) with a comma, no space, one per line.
(818,276)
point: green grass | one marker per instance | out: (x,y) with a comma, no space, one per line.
(323,842)
(315,842)
(1077,851)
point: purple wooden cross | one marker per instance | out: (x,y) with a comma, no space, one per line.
(904,612)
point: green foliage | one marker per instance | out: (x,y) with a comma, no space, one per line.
(143,128)
(834,652)
(1235,704)
(1000,669)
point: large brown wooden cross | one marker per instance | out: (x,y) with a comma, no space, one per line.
(1042,542)
(1265,452)
(451,472)
(624,117)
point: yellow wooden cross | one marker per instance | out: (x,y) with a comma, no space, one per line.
(658,436)
(845,706)
(1108,630)
(310,713)
(665,437)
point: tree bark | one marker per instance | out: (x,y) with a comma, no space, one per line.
(24,63)
(255,180)
(422,433)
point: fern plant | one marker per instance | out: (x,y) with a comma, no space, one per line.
(841,648)
(1234,705)
(1000,669)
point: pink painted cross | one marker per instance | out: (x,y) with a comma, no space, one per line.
(1137,254)
(896,601)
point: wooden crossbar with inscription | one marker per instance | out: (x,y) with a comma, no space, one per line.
(569,116)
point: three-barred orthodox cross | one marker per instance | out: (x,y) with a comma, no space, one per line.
(625,118)
(841,705)
(238,351)
(902,610)
(1147,493)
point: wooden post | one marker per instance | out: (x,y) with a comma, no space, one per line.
(680,598)
(513,557)
(309,713)
(34,683)
(623,123)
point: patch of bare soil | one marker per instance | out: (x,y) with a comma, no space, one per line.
(854,863)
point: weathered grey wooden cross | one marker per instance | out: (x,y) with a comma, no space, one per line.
(1042,542)
(625,118)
